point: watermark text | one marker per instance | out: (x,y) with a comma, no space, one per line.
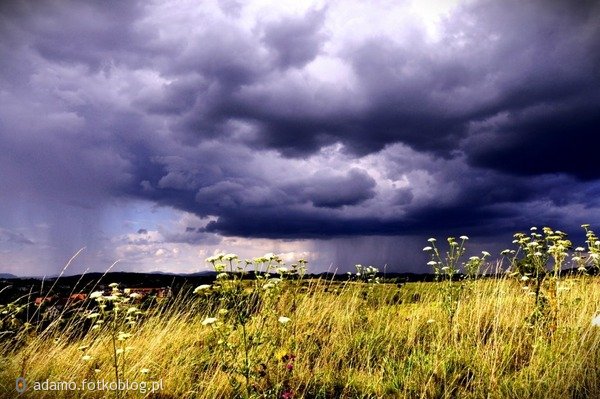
(22,385)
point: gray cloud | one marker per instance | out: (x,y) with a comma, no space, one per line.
(325,189)
(297,125)
(296,41)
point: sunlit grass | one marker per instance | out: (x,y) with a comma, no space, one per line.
(349,342)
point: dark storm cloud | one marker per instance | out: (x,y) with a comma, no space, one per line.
(175,98)
(296,41)
(547,141)
(328,190)
(87,32)
(482,207)
(494,59)
(291,125)
(549,108)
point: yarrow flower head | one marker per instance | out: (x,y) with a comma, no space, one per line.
(270,256)
(201,288)
(213,259)
(596,321)
(209,320)
(284,320)
(230,257)
(122,336)
(96,294)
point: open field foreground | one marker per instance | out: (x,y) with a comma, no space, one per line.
(291,338)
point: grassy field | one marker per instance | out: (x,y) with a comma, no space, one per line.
(291,338)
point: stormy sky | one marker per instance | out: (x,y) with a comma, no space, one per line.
(157,133)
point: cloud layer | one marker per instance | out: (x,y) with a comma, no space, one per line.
(294,121)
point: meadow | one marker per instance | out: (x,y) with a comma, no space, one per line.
(517,327)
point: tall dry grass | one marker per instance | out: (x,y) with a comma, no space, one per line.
(350,340)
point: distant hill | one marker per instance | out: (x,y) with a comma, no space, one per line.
(7,276)
(132,279)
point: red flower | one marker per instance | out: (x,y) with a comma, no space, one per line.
(289,358)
